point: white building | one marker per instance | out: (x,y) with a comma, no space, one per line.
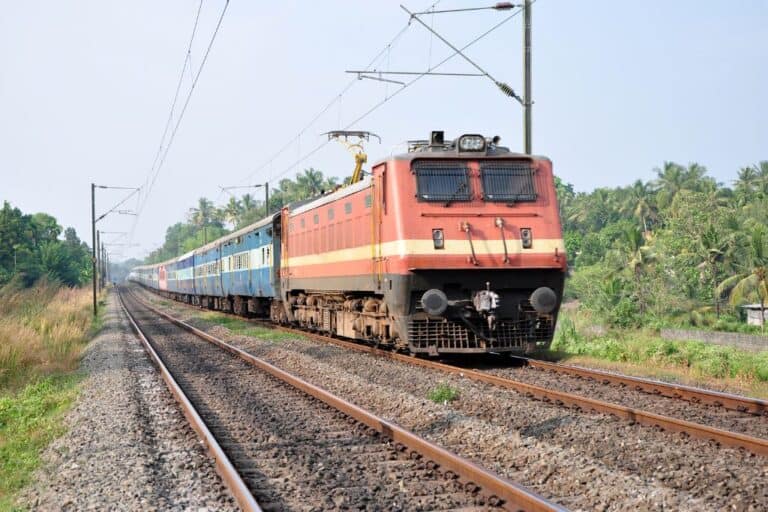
(753,314)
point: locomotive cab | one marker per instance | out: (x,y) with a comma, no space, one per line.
(480,262)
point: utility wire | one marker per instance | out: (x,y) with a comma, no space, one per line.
(187,64)
(118,205)
(404,87)
(186,102)
(336,98)
(183,111)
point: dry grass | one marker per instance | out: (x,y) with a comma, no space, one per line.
(42,331)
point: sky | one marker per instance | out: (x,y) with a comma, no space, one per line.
(619,88)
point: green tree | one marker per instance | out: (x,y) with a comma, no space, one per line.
(752,282)
(202,216)
(639,202)
(233,211)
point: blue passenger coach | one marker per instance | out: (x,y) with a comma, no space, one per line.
(237,272)
(247,273)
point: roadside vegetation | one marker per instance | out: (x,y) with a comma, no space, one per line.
(43,330)
(682,250)
(244,328)
(679,251)
(443,393)
(644,352)
(44,324)
(206,222)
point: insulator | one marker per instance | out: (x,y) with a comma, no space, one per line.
(506,89)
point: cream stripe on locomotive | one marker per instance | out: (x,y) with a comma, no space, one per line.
(453,247)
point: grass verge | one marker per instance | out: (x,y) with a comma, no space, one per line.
(42,333)
(244,328)
(646,353)
(29,420)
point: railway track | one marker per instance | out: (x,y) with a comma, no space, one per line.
(751,443)
(688,393)
(293,445)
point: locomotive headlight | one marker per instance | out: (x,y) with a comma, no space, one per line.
(471,143)
(438,238)
(526,236)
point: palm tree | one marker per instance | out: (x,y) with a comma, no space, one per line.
(233,211)
(714,249)
(309,183)
(247,203)
(752,282)
(639,254)
(203,215)
(671,180)
(695,175)
(747,183)
(639,201)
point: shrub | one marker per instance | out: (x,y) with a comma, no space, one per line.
(443,393)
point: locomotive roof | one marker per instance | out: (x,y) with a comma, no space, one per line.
(441,153)
(333,196)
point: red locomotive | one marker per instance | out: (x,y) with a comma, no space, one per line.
(453,247)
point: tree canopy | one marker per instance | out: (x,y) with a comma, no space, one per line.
(206,222)
(682,248)
(31,247)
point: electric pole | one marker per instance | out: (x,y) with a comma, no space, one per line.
(93,242)
(98,261)
(527,103)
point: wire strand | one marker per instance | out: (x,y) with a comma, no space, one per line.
(331,103)
(172,137)
(187,63)
(404,87)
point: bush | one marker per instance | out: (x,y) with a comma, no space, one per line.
(443,393)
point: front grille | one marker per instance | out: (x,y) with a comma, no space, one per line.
(508,181)
(444,180)
(448,336)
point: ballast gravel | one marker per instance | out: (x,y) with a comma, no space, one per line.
(128,445)
(582,461)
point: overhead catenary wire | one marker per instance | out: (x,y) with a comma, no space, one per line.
(187,64)
(380,103)
(336,99)
(119,204)
(501,85)
(180,118)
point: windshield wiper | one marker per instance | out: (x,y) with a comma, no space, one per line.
(461,187)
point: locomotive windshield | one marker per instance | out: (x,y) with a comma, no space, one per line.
(448,181)
(445,181)
(507,181)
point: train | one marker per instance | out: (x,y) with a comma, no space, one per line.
(451,247)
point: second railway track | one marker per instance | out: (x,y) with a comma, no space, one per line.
(297,447)
(728,431)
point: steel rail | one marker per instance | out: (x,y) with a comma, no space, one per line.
(752,444)
(502,492)
(224,467)
(671,390)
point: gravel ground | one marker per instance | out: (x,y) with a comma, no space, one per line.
(296,453)
(128,445)
(718,417)
(582,461)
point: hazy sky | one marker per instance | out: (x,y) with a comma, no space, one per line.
(86,86)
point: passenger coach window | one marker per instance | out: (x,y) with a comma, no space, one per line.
(442,180)
(507,181)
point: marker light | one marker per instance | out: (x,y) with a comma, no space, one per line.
(438,238)
(471,143)
(526,236)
